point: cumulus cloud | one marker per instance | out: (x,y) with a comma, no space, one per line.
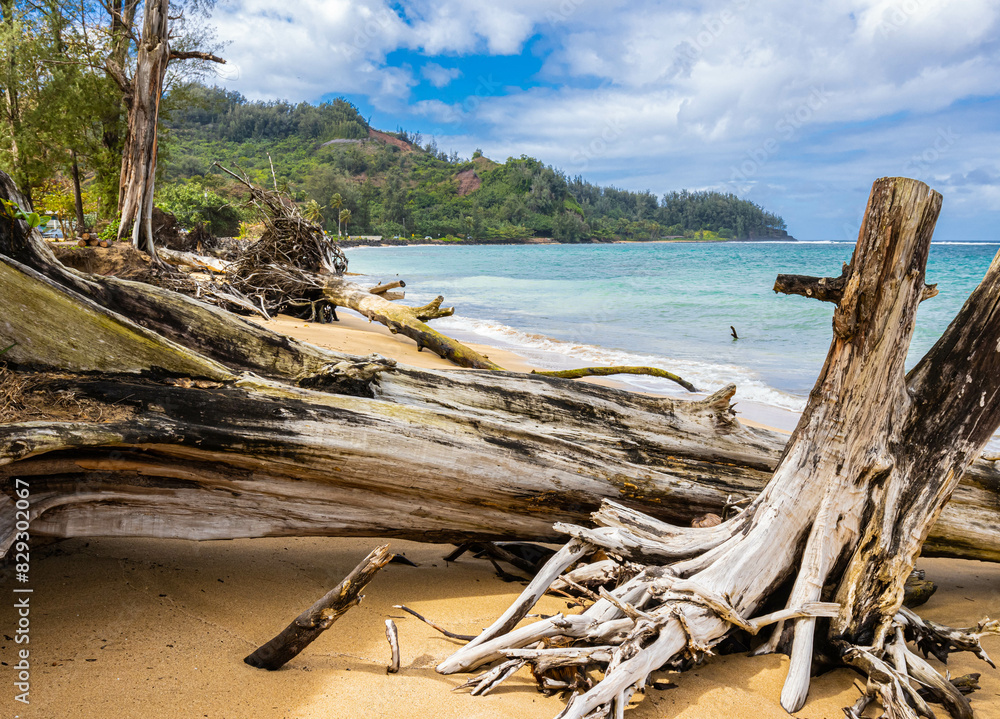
(439,76)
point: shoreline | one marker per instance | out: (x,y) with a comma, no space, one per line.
(528,242)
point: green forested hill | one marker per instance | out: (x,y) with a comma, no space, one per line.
(330,159)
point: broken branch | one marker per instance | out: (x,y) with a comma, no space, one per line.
(607,371)
(320,616)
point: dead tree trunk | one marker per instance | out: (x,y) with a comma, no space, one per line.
(141,93)
(408,321)
(135,193)
(195,423)
(869,468)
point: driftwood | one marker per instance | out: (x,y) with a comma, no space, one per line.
(835,534)
(392,635)
(826,289)
(408,321)
(207,426)
(608,371)
(433,625)
(192,260)
(217,428)
(307,627)
(386,286)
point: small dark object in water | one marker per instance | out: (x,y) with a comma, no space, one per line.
(733,331)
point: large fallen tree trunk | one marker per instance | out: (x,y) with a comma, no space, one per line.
(873,460)
(214,427)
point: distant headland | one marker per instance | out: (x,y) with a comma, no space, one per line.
(361,182)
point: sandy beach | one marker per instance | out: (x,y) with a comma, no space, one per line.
(158,628)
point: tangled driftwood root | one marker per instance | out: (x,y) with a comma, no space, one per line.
(646,617)
(832,538)
(288,265)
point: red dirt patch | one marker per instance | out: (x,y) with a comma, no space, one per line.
(468,182)
(390,140)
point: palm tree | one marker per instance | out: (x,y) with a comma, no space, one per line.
(345,218)
(313,212)
(336,202)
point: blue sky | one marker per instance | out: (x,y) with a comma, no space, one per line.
(795,105)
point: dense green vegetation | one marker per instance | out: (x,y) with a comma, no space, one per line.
(391,185)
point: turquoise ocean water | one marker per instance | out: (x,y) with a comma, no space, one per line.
(668,305)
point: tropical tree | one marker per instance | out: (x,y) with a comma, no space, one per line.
(12,47)
(336,202)
(313,212)
(345,218)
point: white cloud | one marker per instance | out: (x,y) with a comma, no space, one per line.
(439,76)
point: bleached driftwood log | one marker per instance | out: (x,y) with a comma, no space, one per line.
(223,429)
(875,457)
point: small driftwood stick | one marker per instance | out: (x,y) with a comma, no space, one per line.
(320,616)
(393,636)
(381,289)
(432,625)
(606,371)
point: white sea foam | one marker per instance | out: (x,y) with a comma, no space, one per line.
(550,353)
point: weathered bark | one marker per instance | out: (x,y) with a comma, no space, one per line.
(290,450)
(307,627)
(826,289)
(872,462)
(462,455)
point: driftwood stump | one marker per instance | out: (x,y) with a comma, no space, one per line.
(875,457)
